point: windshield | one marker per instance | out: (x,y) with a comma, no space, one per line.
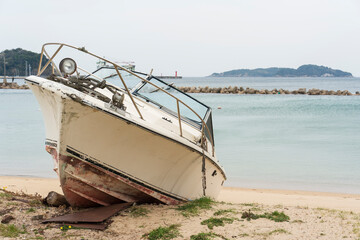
(167,103)
(161,99)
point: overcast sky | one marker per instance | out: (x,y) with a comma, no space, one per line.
(196,38)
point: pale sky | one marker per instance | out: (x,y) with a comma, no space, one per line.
(196,38)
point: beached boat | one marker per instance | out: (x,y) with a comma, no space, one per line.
(144,142)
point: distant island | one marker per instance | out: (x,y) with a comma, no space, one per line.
(308,70)
(20,62)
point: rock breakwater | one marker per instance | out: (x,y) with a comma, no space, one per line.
(13,86)
(241,90)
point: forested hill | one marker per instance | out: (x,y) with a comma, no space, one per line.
(16,61)
(302,71)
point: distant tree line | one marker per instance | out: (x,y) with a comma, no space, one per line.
(20,62)
(302,71)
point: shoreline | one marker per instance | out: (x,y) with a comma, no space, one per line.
(242,90)
(13,85)
(296,198)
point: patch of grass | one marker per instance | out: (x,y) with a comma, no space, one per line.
(30,210)
(38,231)
(65,228)
(327,210)
(255,209)
(6,195)
(35,202)
(243,235)
(279,231)
(206,236)
(216,222)
(10,231)
(342,215)
(24,230)
(138,211)
(12,204)
(164,233)
(275,216)
(225,203)
(193,208)
(224,212)
(248,215)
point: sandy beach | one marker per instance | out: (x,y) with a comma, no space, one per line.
(339,201)
(311,215)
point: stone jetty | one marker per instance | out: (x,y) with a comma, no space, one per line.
(13,85)
(241,90)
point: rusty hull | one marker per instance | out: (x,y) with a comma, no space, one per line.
(87,185)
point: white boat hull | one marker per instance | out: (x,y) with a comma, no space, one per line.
(104,158)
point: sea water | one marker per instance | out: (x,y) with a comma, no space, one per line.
(295,142)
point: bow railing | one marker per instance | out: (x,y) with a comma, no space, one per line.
(117,67)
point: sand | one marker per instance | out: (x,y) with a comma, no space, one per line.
(30,185)
(344,202)
(312,215)
(339,201)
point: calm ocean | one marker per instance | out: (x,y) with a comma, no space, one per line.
(263,141)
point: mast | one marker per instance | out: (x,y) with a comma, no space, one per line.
(5,82)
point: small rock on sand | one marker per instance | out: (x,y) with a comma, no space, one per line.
(7,219)
(55,199)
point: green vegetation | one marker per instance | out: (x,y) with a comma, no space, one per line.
(224,212)
(278,231)
(206,236)
(248,215)
(256,209)
(10,231)
(243,235)
(137,211)
(30,210)
(16,60)
(5,195)
(193,208)
(12,204)
(216,222)
(164,233)
(65,228)
(275,216)
(35,202)
(308,70)
(38,237)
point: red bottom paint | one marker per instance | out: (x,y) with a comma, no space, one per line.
(86,185)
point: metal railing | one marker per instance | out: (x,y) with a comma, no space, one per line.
(117,67)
